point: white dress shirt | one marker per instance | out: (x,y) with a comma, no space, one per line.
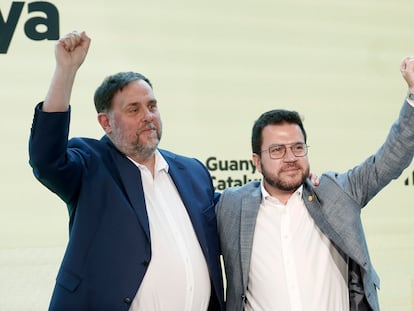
(294,267)
(177,278)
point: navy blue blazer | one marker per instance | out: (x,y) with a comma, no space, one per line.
(109,247)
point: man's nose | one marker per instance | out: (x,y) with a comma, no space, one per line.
(148,115)
(289,156)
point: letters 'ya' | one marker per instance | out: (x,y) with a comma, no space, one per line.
(49,22)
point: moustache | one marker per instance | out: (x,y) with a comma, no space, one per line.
(289,166)
(149,126)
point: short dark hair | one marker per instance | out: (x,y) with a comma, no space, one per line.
(273,117)
(110,85)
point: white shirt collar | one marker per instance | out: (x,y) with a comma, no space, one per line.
(266,195)
(160,163)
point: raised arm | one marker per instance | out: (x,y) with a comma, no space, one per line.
(70,52)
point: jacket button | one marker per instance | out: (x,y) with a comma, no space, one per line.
(145,263)
(127,300)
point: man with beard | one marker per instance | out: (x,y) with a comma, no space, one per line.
(290,246)
(142,229)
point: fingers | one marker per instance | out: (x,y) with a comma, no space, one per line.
(407,63)
(407,71)
(71,50)
(314,179)
(74,39)
(70,41)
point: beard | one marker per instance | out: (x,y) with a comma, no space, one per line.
(285,183)
(133,146)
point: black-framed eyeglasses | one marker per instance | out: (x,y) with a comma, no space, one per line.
(279,151)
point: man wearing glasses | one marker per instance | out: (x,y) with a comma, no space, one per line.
(288,245)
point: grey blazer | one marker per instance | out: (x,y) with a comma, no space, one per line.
(335,206)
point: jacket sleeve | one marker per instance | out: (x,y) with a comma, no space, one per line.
(364,181)
(55,165)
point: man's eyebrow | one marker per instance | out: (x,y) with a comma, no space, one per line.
(137,103)
(133,104)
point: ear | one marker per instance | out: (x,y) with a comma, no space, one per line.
(103,120)
(256,161)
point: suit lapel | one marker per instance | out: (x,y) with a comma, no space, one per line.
(128,177)
(314,207)
(335,218)
(185,188)
(249,208)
